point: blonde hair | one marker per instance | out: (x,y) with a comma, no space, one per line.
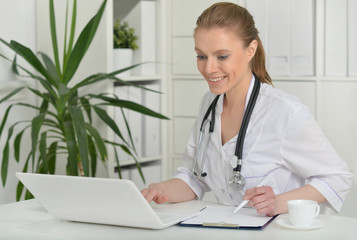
(232,16)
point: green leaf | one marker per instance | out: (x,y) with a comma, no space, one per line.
(31,58)
(36,124)
(73,26)
(65,99)
(72,148)
(5,164)
(138,166)
(80,130)
(63,90)
(87,81)
(65,36)
(28,105)
(52,157)
(43,151)
(43,82)
(116,72)
(5,118)
(128,130)
(44,96)
(99,141)
(44,106)
(54,38)
(87,107)
(129,105)
(19,189)
(14,65)
(46,84)
(105,76)
(28,195)
(71,36)
(48,87)
(20,185)
(118,164)
(83,42)
(51,68)
(14,92)
(5,158)
(102,114)
(17,143)
(93,156)
(14,62)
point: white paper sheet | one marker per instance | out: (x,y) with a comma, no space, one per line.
(246,217)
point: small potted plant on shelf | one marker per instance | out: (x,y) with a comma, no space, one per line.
(124,44)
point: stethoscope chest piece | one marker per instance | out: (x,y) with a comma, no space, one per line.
(237,181)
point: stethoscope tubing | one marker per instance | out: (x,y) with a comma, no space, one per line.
(245,123)
(241,134)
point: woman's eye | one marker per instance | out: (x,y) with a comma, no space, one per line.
(224,57)
(201,57)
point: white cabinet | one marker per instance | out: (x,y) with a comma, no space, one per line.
(328,92)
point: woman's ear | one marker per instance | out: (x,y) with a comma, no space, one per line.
(252,48)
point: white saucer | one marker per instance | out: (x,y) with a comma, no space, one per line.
(285,222)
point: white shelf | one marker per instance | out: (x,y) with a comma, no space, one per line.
(141,78)
(141,161)
(294,78)
(339,79)
(120,9)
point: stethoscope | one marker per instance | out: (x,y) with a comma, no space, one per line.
(237,181)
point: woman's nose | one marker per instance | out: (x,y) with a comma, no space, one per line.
(211,66)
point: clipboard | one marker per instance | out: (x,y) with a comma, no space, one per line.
(223,217)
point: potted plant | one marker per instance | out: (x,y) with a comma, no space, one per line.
(124,41)
(63,124)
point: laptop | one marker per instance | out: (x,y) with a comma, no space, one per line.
(104,201)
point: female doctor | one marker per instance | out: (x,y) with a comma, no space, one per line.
(282,142)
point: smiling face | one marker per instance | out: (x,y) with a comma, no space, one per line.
(222,59)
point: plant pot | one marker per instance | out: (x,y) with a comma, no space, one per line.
(123,57)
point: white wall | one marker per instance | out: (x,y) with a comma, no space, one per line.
(17,22)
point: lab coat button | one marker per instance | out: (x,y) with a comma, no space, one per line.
(222,190)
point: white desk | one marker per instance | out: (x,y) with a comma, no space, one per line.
(28,220)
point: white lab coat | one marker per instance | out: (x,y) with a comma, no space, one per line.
(283,143)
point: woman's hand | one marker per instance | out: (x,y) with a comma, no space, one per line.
(266,202)
(263,199)
(173,190)
(154,193)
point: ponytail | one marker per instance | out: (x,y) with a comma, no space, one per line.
(257,64)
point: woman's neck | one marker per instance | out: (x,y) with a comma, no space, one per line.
(236,97)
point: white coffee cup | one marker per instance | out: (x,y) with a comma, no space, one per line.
(302,213)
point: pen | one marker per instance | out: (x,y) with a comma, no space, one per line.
(244,202)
